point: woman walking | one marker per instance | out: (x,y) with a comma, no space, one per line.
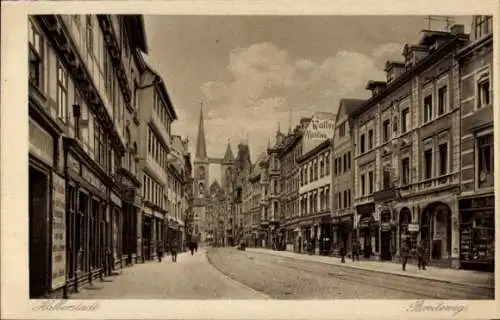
(159,250)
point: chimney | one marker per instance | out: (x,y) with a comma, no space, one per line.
(457,29)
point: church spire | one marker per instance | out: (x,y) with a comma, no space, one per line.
(229,156)
(201,146)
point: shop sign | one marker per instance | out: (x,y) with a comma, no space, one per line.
(483,202)
(41,143)
(93,180)
(413,227)
(58,232)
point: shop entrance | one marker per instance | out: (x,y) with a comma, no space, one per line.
(436,230)
(38,231)
(146,233)
(385,236)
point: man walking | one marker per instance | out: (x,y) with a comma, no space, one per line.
(342,253)
(356,247)
(405,253)
(159,250)
(173,250)
(422,255)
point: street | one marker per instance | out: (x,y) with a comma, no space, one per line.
(226,273)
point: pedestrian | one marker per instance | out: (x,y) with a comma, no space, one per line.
(173,250)
(159,250)
(405,253)
(422,255)
(356,247)
(342,253)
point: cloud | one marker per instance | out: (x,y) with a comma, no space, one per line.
(264,84)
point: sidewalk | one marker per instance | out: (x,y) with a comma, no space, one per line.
(192,277)
(464,277)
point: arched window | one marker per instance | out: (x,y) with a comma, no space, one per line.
(132,156)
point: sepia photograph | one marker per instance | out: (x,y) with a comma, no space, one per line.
(259,157)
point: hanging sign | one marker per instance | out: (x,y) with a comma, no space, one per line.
(58,232)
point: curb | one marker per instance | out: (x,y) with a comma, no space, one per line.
(382,271)
(263,295)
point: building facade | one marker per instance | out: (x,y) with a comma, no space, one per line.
(80,96)
(407,152)
(157,115)
(477,198)
(342,177)
(315,198)
(290,149)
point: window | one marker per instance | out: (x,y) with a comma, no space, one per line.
(428,164)
(395,124)
(89,33)
(362,144)
(311,172)
(370,181)
(345,162)
(405,120)
(345,199)
(327,164)
(370,139)
(405,171)
(349,203)
(386,130)
(483,91)
(349,160)
(322,166)
(327,198)
(35,56)
(62,92)
(485,161)
(315,169)
(363,187)
(428,108)
(386,178)
(339,200)
(443,159)
(482,26)
(342,129)
(442,100)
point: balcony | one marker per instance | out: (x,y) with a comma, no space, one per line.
(386,194)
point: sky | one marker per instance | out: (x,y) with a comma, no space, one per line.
(254,72)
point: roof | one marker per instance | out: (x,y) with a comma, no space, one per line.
(349,105)
(228,156)
(201,145)
(163,88)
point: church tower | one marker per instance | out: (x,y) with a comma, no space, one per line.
(227,169)
(201,161)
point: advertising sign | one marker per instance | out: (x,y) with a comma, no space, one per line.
(58,232)
(321,128)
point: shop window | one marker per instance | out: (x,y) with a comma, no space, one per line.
(443,158)
(370,139)
(428,164)
(483,91)
(485,158)
(405,171)
(428,108)
(442,100)
(386,127)
(405,120)
(362,144)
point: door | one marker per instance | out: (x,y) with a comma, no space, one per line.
(38,233)
(385,250)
